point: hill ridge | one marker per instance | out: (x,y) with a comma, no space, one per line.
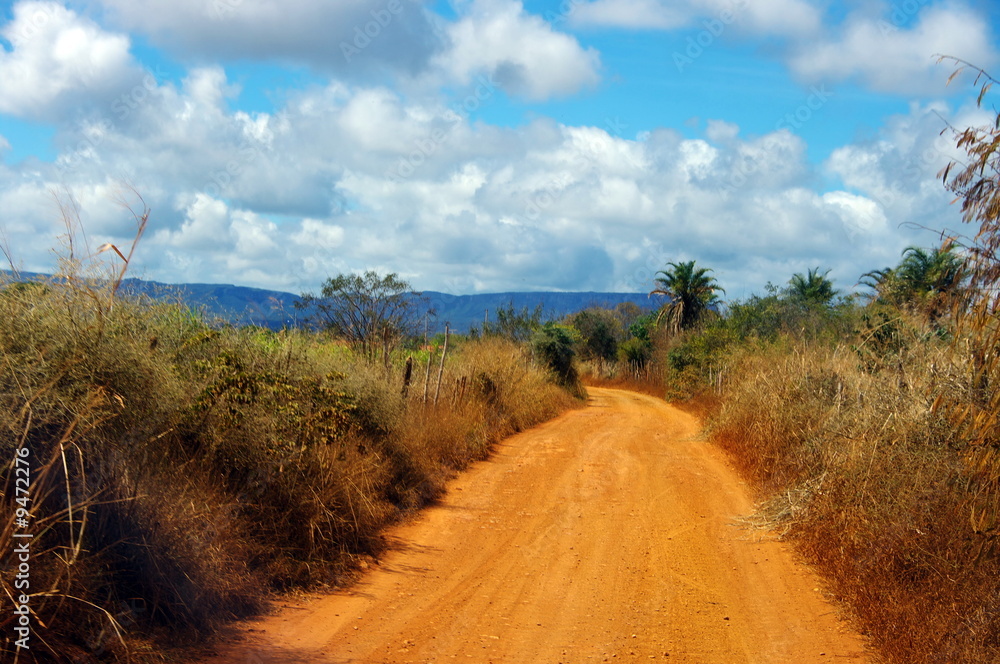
(250,305)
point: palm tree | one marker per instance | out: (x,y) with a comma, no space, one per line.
(812,287)
(925,280)
(881,281)
(936,271)
(692,291)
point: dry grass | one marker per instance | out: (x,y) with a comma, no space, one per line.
(182,472)
(856,466)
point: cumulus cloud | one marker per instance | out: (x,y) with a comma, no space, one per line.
(59,61)
(221,243)
(895,52)
(888,47)
(352,39)
(285,199)
(347,37)
(520,51)
(721,131)
(897,173)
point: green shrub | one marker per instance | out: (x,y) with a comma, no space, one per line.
(553,345)
(635,353)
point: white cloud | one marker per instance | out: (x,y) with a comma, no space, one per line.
(220,243)
(318,234)
(348,37)
(59,62)
(899,169)
(206,224)
(889,47)
(284,199)
(863,218)
(354,39)
(520,51)
(889,57)
(721,131)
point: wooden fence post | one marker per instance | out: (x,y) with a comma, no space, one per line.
(444,352)
(427,374)
(407,374)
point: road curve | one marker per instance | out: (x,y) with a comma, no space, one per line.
(607,534)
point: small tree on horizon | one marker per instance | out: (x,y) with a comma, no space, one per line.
(373,313)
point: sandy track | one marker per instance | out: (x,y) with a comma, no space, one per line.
(606,534)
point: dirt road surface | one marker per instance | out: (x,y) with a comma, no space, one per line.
(607,534)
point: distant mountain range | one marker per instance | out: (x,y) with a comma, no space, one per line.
(242,305)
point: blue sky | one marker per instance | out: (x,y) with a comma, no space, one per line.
(485,145)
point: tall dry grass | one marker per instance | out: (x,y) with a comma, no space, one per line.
(184,471)
(857,467)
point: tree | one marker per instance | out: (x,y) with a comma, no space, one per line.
(691,290)
(511,324)
(600,331)
(926,280)
(553,344)
(811,288)
(635,352)
(371,312)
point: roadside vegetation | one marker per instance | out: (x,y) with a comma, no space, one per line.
(183,470)
(870,424)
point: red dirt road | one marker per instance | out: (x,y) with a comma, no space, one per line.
(606,534)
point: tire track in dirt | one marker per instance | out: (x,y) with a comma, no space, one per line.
(606,534)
